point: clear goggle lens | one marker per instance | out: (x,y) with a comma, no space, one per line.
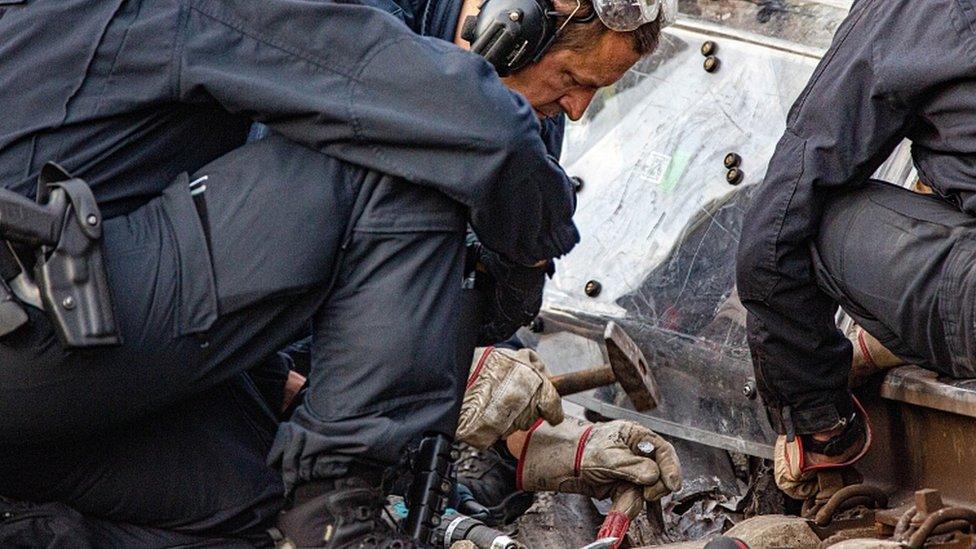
(627,15)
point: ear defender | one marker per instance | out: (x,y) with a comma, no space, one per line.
(511,34)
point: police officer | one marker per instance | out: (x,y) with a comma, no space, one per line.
(349,218)
(820,233)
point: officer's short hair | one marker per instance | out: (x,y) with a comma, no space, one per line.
(579,37)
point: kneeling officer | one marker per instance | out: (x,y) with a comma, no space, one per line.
(351,217)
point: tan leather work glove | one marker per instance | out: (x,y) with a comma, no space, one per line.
(870,356)
(788,470)
(507,391)
(593,459)
(795,470)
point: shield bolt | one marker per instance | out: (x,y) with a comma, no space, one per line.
(732,160)
(577,183)
(68,303)
(749,390)
(708,48)
(711,63)
(734,176)
(592,288)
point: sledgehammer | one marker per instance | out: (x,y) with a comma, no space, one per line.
(627,366)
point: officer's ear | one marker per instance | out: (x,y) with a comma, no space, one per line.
(511,34)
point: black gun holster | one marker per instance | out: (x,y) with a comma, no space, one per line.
(57,240)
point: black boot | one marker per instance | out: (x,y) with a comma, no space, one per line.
(344,512)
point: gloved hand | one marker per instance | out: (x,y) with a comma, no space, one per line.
(627,501)
(593,459)
(795,470)
(507,391)
(870,356)
(515,293)
(788,470)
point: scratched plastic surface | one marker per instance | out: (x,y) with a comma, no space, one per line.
(659,222)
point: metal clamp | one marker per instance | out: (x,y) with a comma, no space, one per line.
(848,497)
(940,517)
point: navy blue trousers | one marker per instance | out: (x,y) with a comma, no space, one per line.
(167,430)
(903,265)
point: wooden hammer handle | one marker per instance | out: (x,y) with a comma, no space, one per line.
(583,380)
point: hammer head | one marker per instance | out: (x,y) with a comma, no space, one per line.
(630,368)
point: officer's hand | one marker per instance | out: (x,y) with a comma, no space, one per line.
(795,471)
(870,356)
(515,293)
(593,459)
(507,391)
(790,475)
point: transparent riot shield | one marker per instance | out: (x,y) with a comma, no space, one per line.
(660,214)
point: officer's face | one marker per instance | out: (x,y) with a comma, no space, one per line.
(564,81)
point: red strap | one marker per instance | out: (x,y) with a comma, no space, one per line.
(525,446)
(579,451)
(477,369)
(614,526)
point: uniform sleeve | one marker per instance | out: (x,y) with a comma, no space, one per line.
(861,101)
(357,84)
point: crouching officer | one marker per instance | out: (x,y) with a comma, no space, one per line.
(350,218)
(820,233)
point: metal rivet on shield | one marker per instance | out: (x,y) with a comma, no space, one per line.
(514,15)
(68,303)
(732,160)
(711,63)
(749,390)
(708,48)
(734,176)
(92,219)
(593,288)
(577,183)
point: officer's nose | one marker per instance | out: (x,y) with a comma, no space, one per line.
(574,103)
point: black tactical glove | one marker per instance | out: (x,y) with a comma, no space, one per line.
(514,293)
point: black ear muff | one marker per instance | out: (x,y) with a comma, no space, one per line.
(510,34)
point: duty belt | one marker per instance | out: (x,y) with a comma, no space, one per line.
(52,247)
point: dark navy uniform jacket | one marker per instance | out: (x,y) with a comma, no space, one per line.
(896,69)
(128,94)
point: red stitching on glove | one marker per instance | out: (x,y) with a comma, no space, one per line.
(579,451)
(864,349)
(477,369)
(525,446)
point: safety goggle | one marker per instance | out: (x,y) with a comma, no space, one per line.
(627,15)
